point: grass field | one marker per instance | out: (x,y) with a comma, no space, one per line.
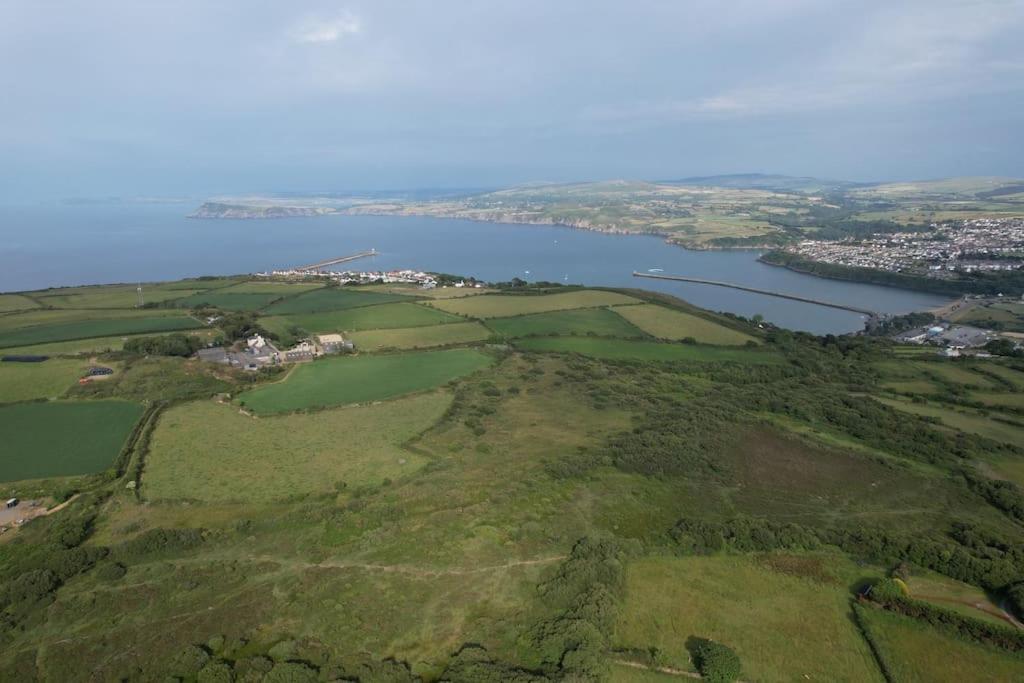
(954,595)
(49,379)
(279,289)
(95,344)
(618,349)
(331,299)
(211,452)
(754,609)
(363,378)
(666,323)
(62,438)
(420,337)
(964,421)
(956,374)
(100,327)
(383,316)
(1000,400)
(1014,377)
(229,300)
(505,305)
(602,322)
(113,296)
(15,302)
(918,653)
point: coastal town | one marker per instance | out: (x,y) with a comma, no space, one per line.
(942,251)
(352,277)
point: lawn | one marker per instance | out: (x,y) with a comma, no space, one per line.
(15,302)
(918,653)
(359,379)
(100,327)
(384,316)
(62,438)
(49,379)
(760,612)
(331,299)
(211,452)
(504,305)
(618,349)
(601,322)
(964,421)
(666,323)
(420,337)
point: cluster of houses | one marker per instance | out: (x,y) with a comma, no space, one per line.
(353,277)
(952,339)
(259,352)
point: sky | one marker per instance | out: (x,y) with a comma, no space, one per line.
(205,97)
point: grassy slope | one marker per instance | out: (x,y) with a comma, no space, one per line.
(504,305)
(95,328)
(597,321)
(281,457)
(16,302)
(363,378)
(615,349)
(331,299)
(420,337)
(49,379)
(666,323)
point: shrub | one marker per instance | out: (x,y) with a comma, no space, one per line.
(715,662)
(190,661)
(291,672)
(216,671)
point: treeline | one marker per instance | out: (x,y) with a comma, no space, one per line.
(183,345)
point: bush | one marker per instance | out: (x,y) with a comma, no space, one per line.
(190,661)
(217,671)
(715,662)
(110,571)
(292,672)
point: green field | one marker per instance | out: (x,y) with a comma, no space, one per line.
(29,381)
(759,612)
(505,305)
(383,316)
(125,295)
(229,300)
(1000,400)
(279,289)
(15,302)
(969,422)
(666,323)
(616,349)
(601,322)
(277,458)
(62,438)
(359,379)
(1013,377)
(954,595)
(331,299)
(95,344)
(100,327)
(420,337)
(956,374)
(918,653)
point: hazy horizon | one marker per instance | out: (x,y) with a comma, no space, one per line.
(192,99)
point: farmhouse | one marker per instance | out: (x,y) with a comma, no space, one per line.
(303,351)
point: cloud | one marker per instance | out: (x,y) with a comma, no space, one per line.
(321,30)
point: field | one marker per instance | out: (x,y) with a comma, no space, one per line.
(363,378)
(601,322)
(954,595)
(101,327)
(420,337)
(62,438)
(1013,377)
(229,300)
(1007,400)
(756,610)
(959,418)
(280,289)
(504,305)
(15,302)
(116,296)
(615,349)
(331,299)
(94,344)
(282,457)
(918,653)
(383,316)
(30,381)
(665,323)
(1001,316)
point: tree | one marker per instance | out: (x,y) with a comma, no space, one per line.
(715,662)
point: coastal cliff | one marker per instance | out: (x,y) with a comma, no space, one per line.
(256,211)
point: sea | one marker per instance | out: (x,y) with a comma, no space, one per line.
(48,245)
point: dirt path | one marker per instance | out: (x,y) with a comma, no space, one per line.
(660,669)
(408,569)
(992,610)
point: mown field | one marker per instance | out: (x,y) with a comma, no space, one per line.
(377,317)
(761,607)
(917,653)
(62,438)
(125,295)
(503,305)
(31,381)
(362,378)
(85,329)
(291,456)
(229,300)
(615,349)
(420,337)
(331,299)
(666,323)
(601,322)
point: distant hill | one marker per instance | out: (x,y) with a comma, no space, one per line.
(768,181)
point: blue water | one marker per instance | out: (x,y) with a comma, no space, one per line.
(45,246)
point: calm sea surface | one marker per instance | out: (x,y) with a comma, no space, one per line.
(44,246)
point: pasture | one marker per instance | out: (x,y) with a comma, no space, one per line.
(964,419)
(420,337)
(16,302)
(378,317)
(505,305)
(1000,400)
(227,300)
(620,349)
(62,438)
(99,327)
(918,653)
(1007,374)
(29,381)
(601,322)
(118,296)
(331,299)
(759,611)
(211,452)
(954,595)
(673,325)
(359,379)
(95,344)
(281,289)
